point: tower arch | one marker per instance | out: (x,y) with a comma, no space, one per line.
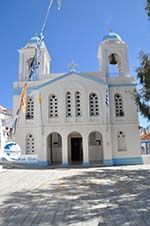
(113,54)
(26,56)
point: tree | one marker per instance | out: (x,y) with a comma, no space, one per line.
(143,94)
(147,8)
(143,75)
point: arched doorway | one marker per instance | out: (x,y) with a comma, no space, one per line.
(75,148)
(95,147)
(54,148)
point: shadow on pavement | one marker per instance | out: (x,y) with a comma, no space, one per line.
(95,197)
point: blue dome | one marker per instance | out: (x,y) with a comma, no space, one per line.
(112,35)
(35,39)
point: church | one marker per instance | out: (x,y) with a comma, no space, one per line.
(79,118)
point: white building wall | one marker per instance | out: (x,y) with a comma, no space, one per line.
(107,124)
(84,124)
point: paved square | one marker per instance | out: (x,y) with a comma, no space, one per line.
(93,196)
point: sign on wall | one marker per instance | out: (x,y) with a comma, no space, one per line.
(27,159)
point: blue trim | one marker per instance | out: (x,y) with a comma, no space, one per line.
(85,164)
(65,164)
(108,162)
(120,85)
(42,163)
(127,161)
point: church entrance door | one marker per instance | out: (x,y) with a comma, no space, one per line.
(76,149)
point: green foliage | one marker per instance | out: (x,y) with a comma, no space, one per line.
(147,8)
(143,94)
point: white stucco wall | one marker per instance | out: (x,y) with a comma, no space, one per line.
(107,124)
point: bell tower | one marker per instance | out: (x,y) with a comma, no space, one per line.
(26,55)
(113,53)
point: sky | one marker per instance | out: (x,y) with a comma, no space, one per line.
(72,33)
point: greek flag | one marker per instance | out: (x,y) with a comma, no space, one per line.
(34,65)
(107,98)
(107,109)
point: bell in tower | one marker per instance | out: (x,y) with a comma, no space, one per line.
(113,53)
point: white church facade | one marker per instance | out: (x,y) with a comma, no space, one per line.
(79,118)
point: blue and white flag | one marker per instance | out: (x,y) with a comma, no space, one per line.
(107,109)
(14,125)
(107,98)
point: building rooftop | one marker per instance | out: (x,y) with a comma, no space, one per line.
(145,137)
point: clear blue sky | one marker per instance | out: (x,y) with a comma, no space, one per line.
(72,33)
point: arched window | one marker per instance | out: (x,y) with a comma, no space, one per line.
(94,108)
(78,104)
(68,104)
(53,106)
(30,108)
(30,144)
(121,141)
(119,105)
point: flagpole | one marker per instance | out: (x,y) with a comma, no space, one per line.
(46,16)
(34,64)
(41,112)
(107,121)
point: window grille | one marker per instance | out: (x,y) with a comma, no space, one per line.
(68,104)
(78,104)
(30,108)
(119,105)
(94,108)
(53,106)
(30,144)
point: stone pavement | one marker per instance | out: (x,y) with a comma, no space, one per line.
(89,197)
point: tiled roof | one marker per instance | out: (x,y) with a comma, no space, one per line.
(145,137)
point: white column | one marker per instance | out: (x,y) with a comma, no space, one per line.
(64,151)
(107,149)
(85,151)
(41,146)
